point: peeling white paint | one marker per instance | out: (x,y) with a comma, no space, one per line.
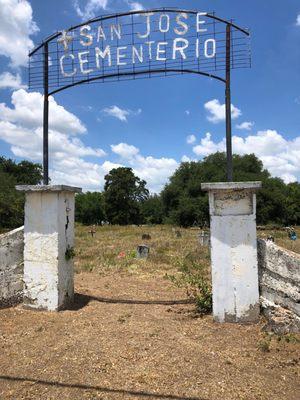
(48,232)
(11,267)
(234,251)
(279,276)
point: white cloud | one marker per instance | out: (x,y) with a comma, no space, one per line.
(186,159)
(21,128)
(191,139)
(298,20)
(217,111)
(135,6)
(247,126)
(91,8)
(207,146)
(187,112)
(125,150)
(155,171)
(279,155)
(119,113)
(16,26)
(10,81)
(28,112)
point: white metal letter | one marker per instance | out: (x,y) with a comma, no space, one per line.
(137,53)
(115,30)
(167,23)
(148,15)
(103,53)
(83,60)
(161,52)
(61,61)
(150,43)
(88,38)
(183,25)
(180,49)
(101,34)
(120,56)
(200,22)
(212,52)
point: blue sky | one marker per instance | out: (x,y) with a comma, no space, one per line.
(153,124)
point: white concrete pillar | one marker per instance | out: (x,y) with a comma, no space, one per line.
(232,208)
(49,241)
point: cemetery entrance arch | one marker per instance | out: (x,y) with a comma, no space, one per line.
(139,44)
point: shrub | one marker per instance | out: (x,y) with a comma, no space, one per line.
(195,278)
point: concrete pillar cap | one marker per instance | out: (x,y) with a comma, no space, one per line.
(215,186)
(48,188)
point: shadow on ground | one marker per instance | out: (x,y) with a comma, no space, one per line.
(138,394)
(82,300)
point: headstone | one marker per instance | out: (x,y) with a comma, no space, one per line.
(204,238)
(142,251)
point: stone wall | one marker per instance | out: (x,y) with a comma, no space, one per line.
(279,281)
(11,267)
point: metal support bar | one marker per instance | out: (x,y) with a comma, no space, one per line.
(46,118)
(228,105)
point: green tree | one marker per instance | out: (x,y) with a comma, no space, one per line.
(123,193)
(184,203)
(272,202)
(89,208)
(293,204)
(152,210)
(12,201)
(25,172)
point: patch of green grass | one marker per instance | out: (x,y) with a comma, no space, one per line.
(289,338)
(194,276)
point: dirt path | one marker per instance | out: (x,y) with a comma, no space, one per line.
(134,337)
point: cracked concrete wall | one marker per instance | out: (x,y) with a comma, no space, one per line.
(279,276)
(11,267)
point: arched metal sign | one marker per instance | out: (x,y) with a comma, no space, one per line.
(139,44)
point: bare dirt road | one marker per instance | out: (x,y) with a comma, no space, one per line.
(135,337)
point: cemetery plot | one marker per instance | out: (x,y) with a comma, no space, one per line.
(134,334)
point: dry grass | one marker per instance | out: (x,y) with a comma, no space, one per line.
(113,248)
(282,239)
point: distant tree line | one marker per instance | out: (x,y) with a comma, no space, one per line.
(12,201)
(126,199)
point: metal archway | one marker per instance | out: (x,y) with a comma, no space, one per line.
(139,44)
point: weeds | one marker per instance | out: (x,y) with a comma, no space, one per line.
(70,253)
(265,343)
(288,338)
(194,277)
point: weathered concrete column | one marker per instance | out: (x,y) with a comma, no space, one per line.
(232,208)
(49,240)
